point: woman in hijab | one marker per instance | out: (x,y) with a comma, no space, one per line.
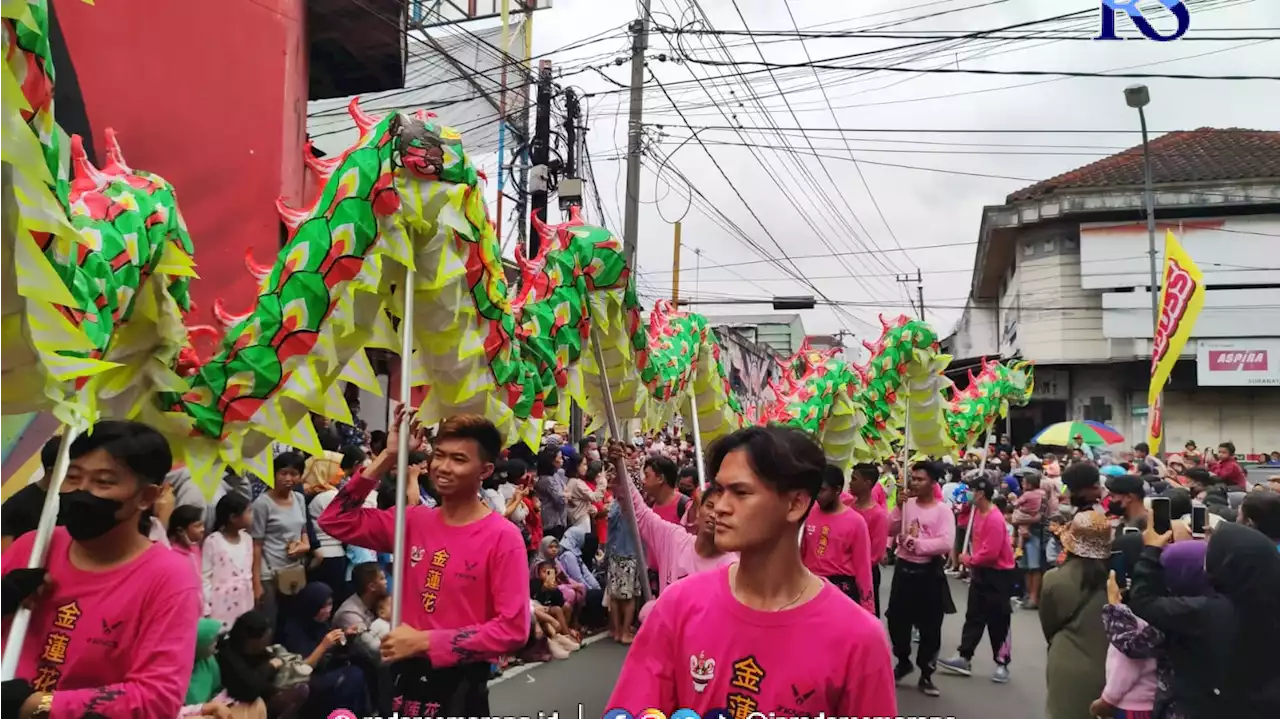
(205,695)
(248,669)
(335,681)
(576,568)
(575,593)
(1071,602)
(1221,634)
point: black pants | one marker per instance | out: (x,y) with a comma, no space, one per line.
(989,609)
(461,690)
(875,585)
(918,597)
(556,531)
(848,585)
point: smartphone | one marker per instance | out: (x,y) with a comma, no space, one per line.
(1131,530)
(1160,515)
(1118,566)
(1199,520)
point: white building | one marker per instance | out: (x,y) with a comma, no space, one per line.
(1061,277)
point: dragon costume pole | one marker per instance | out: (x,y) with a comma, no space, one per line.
(402,451)
(39,548)
(622,490)
(697,442)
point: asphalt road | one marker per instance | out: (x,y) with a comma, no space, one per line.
(584,681)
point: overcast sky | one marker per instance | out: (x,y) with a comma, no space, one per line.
(921,209)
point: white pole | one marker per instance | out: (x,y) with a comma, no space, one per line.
(39,548)
(697,438)
(402,451)
(622,481)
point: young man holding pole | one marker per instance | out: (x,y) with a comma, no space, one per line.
(990,561)
(465,592)
(919,596)
(112,615)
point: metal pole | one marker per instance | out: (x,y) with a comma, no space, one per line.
(39,548)
(571,111)
(675,268)
(697,437)
(622,480)
(402,450)
(631,222)
(1150,197)
(541,151)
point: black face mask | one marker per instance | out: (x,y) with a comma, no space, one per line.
(1116,509)
(86,515)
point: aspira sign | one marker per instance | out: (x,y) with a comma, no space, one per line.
(1238,363)
(1177,8)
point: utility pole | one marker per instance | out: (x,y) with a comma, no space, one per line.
(631,222)
(539,175)
(569,190)
(920,291)
(919,279)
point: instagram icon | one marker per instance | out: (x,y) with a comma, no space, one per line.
(342,714)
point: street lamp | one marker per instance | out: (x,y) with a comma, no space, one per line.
(804,302)
(1137,96)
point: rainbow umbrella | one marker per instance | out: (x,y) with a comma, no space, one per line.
(1095,434)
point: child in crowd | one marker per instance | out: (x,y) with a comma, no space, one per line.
(1028,508)
(1131,661)
(381,626)
(549,610)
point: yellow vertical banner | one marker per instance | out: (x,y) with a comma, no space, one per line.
(1181,299)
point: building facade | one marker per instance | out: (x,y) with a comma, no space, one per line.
(1062,278)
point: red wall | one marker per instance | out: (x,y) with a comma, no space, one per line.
(211,95)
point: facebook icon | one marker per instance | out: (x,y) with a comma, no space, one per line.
(1177,8)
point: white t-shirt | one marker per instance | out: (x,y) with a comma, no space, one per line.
(949,492)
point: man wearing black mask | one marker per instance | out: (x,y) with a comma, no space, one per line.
(21,513)
(1127,493)
(114,631)
(688,481)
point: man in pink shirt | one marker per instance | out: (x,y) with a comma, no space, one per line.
(466,580)
(113,632)
(769,476)
(990,562)
(835,545)
(920,595)
(862,483)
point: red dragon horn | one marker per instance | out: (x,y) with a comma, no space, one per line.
(226,319)
(363,120)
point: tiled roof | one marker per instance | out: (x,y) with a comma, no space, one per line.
(1204,155)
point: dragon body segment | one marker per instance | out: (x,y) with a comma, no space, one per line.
(988,396)
(99,234)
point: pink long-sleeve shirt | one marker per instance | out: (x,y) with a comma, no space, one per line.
(837,544)
(930,531)
(669,548)
(877,519)
(991,547)
(702,649)
(466,586)
(1131,683)
(119,643)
